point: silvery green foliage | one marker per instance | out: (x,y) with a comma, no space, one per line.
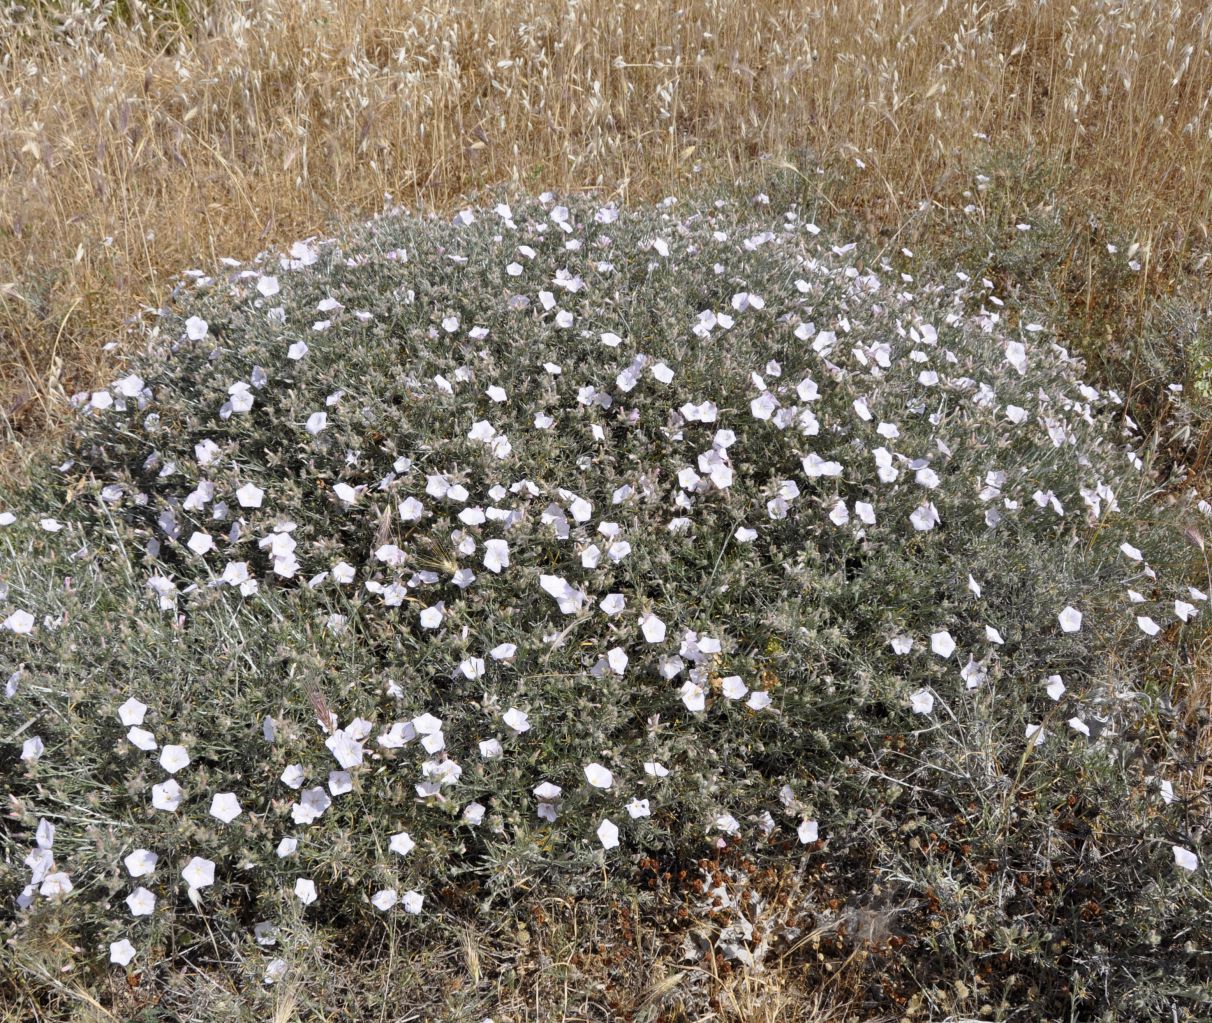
(490,551)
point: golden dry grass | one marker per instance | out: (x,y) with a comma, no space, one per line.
(136,144)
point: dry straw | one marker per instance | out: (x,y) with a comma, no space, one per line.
(140,138)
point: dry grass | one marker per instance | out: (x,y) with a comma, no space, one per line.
(140,138)
(561,963)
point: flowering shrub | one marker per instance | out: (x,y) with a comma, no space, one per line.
(416,569)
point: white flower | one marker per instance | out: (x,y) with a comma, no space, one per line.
(196,328)
(763,406)
(311,805)
(166,795)
(758,700)
(317,423)
(973,673)
(225,806)
(653,628)
(547,791)
(1070,619)
(472,668)
(922,701)
(726,823)
(205,451)
(733,687)
(639,808)
(567,596)
(55,884)
(241,397)
(925,518)
(201,543)
(32,749)
(305,890)
(612,603)
(199,872)
(141,902)
(250,496)
(815,466)
(385,899)
(411,901)
(617,658)
(516,719)
(926,477)
(142,739)
(287,847)
(346,750)
(401,843)
(427,724)
(598,776)
(1056,687)
(141,862)
(1147,625)
(121,952)
(173,758)
(20,622)
(1185,858)
(693,697)
(131,712)
(410,509)
(235,573)
(608,834)
(942,644)
(496,555)
(807,832)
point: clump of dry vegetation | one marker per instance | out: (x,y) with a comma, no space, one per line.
(142,137)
